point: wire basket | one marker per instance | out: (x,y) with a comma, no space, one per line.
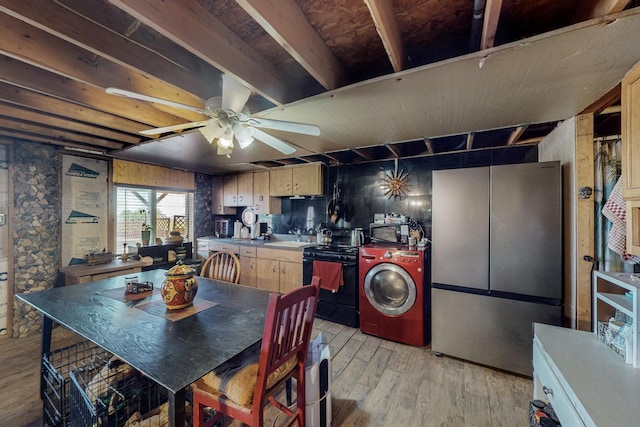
(56,366)
(620,345)
(111,397)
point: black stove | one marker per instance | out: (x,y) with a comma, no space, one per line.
(341,306)
(331,253)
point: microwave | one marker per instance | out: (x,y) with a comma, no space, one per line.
(389,232)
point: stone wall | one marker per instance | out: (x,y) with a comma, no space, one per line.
(36,226)
(203,217)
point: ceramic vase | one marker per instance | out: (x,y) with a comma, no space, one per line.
(146,236)
(180,287)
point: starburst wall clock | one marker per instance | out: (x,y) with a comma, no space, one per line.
(396,184)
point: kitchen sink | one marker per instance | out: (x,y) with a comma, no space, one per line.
(290,244)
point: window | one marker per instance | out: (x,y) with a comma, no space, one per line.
(163,210)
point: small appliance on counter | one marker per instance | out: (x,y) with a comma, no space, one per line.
(222,227)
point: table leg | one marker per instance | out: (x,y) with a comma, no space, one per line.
(45,346)
(176,408)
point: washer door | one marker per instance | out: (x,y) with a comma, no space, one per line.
(390,289)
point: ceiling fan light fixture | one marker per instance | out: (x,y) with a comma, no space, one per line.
(211,131)
(226,140)
(244,135)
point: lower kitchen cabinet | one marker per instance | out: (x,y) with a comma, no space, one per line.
(248,266)
(278,270)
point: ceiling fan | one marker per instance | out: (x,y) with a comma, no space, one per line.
(229,119)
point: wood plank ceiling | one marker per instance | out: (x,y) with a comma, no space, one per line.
(58,56)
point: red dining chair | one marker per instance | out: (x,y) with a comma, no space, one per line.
(241,387)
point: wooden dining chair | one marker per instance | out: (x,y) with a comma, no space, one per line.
(241,387)
(222,265)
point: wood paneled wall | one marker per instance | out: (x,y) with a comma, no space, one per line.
(132,173)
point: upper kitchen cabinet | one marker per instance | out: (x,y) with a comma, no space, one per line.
(631,133)
(238,190)
(263,202)
(217,197)
(301,180)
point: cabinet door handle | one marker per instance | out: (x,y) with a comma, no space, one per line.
(548,391)
(251,265)
(273,268)
(282,269)
(240,198)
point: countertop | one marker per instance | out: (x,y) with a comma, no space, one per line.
(271,244)
(115,265)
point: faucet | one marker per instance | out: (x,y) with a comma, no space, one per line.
(296,232)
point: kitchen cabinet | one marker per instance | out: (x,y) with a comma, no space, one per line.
(615,291)
(300,180)
(631,133)
(263,202)
(223,246)
(217,197)
(238,190)
(586,383)
(279,270)
(248,266)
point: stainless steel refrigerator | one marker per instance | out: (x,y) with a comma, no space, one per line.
(496,261)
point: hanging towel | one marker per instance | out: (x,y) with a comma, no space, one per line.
(614,211)
(330,273)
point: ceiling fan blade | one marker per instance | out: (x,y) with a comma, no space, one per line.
(234,94)
(274,142)
(134,95)
(174,128)
(302,128)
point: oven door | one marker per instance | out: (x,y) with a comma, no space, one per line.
(390,289)
(341,306)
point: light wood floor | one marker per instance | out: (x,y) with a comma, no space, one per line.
(375,383)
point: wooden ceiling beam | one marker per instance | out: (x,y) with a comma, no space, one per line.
(55,133)
(429,145)
(61,22)
(470,137)
(608,99)
(384,18)
(22,74)
(40,49)
(491,18)
(47,104)
(12,136)
(105,14)
(192,27)
(590,9)
(516,134)
(62,123)
(286,24)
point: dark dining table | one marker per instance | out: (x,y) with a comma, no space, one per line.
(174,353)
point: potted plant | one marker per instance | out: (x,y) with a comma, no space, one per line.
(146,229)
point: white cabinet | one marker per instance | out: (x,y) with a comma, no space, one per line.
(586,384)
(617,291)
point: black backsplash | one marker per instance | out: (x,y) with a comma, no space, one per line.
(361,188)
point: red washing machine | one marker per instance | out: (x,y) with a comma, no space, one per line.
(394,293)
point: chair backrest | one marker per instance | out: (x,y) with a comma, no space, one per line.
(287,331)
(222,265)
